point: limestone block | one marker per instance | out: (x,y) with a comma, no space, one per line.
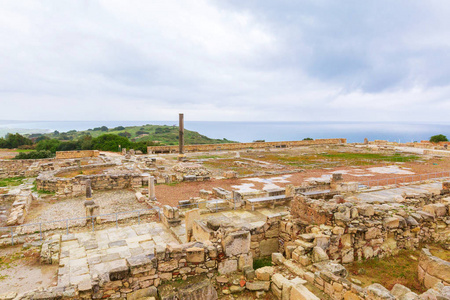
(366,210)
(349,295)
(304,260)
(264,273)
(430,281)
(391,222)
(410,296)
(338,230)
(257,285)
(377,292)
(245,260)
(399,290)
(367,252)
(195,255)
(168,266)
(277,258)
(300,292)
(269,246)
(348,256)
(236,243)
(279,280)
(372,233)
(228,266)
(142,293)
(318,255)
(347,241)
(140,264)
(249,273)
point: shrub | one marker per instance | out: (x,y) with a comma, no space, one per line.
(34,155)
(438,138)
(125,134)
(308,139)
(139,132)
(118,128)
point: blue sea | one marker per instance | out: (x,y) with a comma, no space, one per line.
(250,131)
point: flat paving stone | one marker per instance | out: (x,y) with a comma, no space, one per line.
(89,255)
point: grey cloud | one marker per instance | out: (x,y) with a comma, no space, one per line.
(224,60)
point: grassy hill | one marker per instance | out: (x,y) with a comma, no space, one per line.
(165,135)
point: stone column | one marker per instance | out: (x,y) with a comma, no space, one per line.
(88,190)
(181,155)
(151,188)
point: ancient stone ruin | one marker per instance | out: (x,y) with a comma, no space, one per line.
(272,236)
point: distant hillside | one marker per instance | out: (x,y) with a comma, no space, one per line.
(165,135)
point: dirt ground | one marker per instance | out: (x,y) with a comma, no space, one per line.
(21,271)
(172,193)
(7,153)
(110,202)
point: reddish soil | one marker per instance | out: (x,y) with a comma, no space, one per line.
(171,194)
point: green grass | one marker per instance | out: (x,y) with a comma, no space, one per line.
(14,181)
(262,262)
(388,271)
(23,150)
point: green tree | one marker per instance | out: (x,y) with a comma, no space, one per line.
(49,145)
(14,141)
(438,138)
(110,142)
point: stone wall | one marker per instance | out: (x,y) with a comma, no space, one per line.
(22,167)
(76,186)
(433,270)
(77,154)
(349,232)
(240,146)
(263,236)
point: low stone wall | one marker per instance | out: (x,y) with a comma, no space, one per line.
(432,270)
(437,152)
(240,146)
(349,232)
(22,167)
(77,154)
(264,236)
(76,186)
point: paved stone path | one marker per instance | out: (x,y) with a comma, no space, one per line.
(92,255)
(389,195)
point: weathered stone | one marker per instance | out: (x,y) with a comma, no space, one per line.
(195,255)
(318,255)
(245,260)
(258,285)
(277,258)
(399,290)
(264,273)
(300,292)
(269,246)
(227,266)
(146,292)
(168,266)
(236,243)
(377,291)
(391,222)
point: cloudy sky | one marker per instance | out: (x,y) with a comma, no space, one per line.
(260,60)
